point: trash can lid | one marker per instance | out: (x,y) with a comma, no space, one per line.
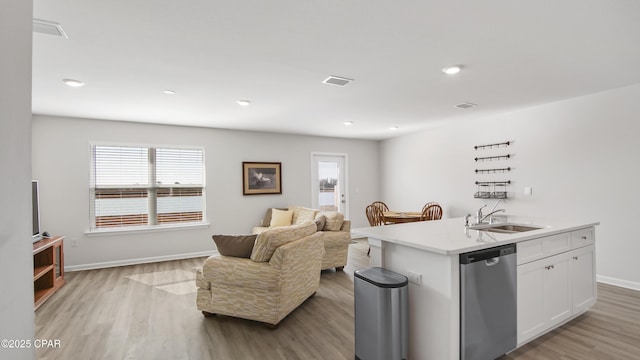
(382,277)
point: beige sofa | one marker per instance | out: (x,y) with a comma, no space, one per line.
(283,271)
(336,233)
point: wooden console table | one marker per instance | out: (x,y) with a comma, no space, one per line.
(48,268)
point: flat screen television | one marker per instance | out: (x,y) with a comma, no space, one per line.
(35,209)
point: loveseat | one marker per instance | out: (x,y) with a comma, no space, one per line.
(281,273)
(334,229)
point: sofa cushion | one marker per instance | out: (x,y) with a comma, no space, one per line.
(266,221)
(334,220)
(280,218)
(235,245)
(302,214)
(267,242)
(320,220)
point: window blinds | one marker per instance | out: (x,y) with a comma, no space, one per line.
(139,186)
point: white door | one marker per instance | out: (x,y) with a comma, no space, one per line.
(329,182)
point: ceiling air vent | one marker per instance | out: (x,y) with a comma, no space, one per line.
(337,80)
(49,28)
(466,105)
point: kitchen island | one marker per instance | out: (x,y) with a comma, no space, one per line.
(555,274)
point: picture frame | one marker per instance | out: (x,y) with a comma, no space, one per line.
(259,178)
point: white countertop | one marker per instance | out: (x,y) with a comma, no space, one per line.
(451,237)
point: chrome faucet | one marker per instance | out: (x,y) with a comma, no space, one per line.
(489,216)
(480,217)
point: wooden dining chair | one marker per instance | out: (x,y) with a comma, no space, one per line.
(380,205)
(431,211)
(374,215)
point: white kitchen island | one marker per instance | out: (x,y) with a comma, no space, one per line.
(555,275)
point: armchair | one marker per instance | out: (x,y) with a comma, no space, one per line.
(283,271)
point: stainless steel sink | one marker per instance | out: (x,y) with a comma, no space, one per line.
(505,228)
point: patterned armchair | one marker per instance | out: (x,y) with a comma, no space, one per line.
(283,271)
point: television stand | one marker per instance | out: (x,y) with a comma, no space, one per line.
(48,268)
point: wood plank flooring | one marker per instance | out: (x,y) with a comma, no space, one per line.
(148,311)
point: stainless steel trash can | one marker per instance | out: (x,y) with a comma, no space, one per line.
(381,328)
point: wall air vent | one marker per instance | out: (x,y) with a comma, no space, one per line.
(49,28)
(466,105)
(337,80)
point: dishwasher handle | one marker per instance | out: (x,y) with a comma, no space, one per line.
(492,261)
(486,254)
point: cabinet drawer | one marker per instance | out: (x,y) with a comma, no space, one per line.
(540,248)
(584,237)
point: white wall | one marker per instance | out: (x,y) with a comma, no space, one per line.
(580,156)
(61,164)
(16,261)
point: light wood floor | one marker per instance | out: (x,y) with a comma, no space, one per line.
(148,312)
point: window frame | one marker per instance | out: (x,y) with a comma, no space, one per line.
(152,190)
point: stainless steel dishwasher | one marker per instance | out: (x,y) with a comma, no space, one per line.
(488,309)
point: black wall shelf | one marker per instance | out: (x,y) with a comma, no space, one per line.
(492,189)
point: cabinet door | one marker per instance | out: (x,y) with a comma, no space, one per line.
(583,278)
(530,300)
(557,289)
(544,295)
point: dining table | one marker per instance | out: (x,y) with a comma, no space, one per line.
(399,217)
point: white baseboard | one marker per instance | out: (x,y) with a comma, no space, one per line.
(618,282)
(108,264)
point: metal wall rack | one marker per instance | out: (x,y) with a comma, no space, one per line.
(491,146)
(492,171)
(492,189)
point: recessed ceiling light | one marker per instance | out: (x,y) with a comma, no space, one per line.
(348,123)
(394,128)
(169,92)
(73,83)
(243,102)
(452,69)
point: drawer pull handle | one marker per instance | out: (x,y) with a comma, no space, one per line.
(549,267)
(575,258)
(584,237)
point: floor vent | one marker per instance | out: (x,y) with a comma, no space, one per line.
(49,28)
(337,81)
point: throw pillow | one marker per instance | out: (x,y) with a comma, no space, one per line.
(334,221)
(266,221)
(280,218)
(302,214)
(235,245)
(320,221)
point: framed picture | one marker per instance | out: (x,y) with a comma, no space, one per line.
(261,178)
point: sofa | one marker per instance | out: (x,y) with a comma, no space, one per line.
(282,271)
(334,229)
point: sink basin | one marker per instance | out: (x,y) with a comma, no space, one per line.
(505,228)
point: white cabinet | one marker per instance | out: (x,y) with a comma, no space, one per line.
(583,278)
(544,295)
(553,288)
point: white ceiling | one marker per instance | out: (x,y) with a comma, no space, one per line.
(276,53)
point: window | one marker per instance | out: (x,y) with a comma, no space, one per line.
(146,186)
